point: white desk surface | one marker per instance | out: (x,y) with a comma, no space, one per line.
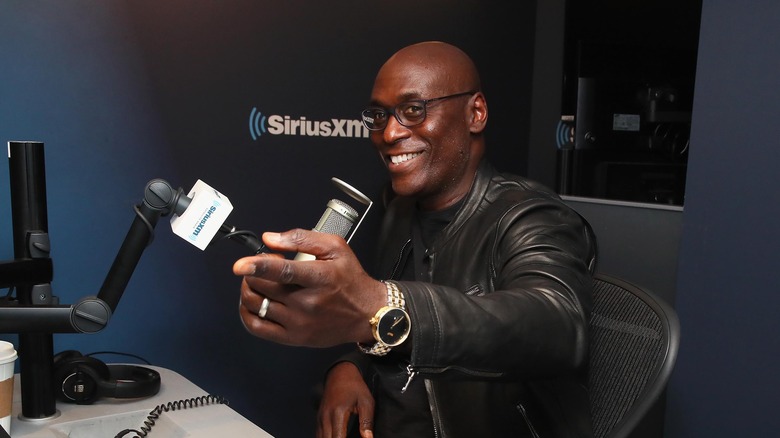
(107,417)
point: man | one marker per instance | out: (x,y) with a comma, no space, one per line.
(480,329)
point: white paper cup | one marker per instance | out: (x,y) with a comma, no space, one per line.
(7,360)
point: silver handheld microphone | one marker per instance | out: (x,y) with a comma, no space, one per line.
(337,219)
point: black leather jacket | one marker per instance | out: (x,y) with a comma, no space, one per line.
(499,327)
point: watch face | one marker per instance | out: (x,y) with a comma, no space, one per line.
(393,326)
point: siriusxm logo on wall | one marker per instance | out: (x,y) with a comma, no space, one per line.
(260,125)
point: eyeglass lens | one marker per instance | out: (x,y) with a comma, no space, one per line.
(408,113)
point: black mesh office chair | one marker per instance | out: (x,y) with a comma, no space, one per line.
(634,341)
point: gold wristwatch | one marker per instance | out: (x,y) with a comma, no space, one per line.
(391,324)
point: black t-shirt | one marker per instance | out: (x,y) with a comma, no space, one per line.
(408,413)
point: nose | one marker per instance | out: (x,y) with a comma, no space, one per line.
(394,130)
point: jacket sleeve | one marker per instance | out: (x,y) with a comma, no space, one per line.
(509,295)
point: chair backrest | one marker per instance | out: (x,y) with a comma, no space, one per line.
(634,338)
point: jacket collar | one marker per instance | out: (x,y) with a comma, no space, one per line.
(474,197)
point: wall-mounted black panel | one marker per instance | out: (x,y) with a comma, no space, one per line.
(629,73)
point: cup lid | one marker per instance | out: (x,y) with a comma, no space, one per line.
(7,352)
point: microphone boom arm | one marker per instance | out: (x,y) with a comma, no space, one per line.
(35,313)
(91,314)
(139,236)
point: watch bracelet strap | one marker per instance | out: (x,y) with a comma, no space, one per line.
(394,296)
(378,349)
(394,299)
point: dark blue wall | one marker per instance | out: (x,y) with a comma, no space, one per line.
(725,383)
(122,92)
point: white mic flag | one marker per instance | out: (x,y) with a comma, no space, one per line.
(206,213)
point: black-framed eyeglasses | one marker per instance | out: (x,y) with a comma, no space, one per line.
(409,113)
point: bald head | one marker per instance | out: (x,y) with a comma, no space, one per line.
(444,66)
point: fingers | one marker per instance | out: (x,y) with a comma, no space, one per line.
(305,295)
(321,244)
(263,272)
(254,291)
(365,411)
(267,273)
(265,300)
(366,428)
(266,327)
(262,316)
(334,425)
(275,267)
(247,265)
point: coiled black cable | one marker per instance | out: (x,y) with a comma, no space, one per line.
(154,415)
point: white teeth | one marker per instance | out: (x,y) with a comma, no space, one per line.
(397,159)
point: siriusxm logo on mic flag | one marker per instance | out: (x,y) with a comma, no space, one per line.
(206,213)
(275,124)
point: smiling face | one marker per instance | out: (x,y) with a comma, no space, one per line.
(434,161)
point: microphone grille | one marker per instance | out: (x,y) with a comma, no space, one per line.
(337,219)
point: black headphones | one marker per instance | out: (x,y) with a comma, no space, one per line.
(83,379)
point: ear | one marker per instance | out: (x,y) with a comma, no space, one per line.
(479,113)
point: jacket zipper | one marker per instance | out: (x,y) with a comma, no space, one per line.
(431,398)
(411,373)
(434,407)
